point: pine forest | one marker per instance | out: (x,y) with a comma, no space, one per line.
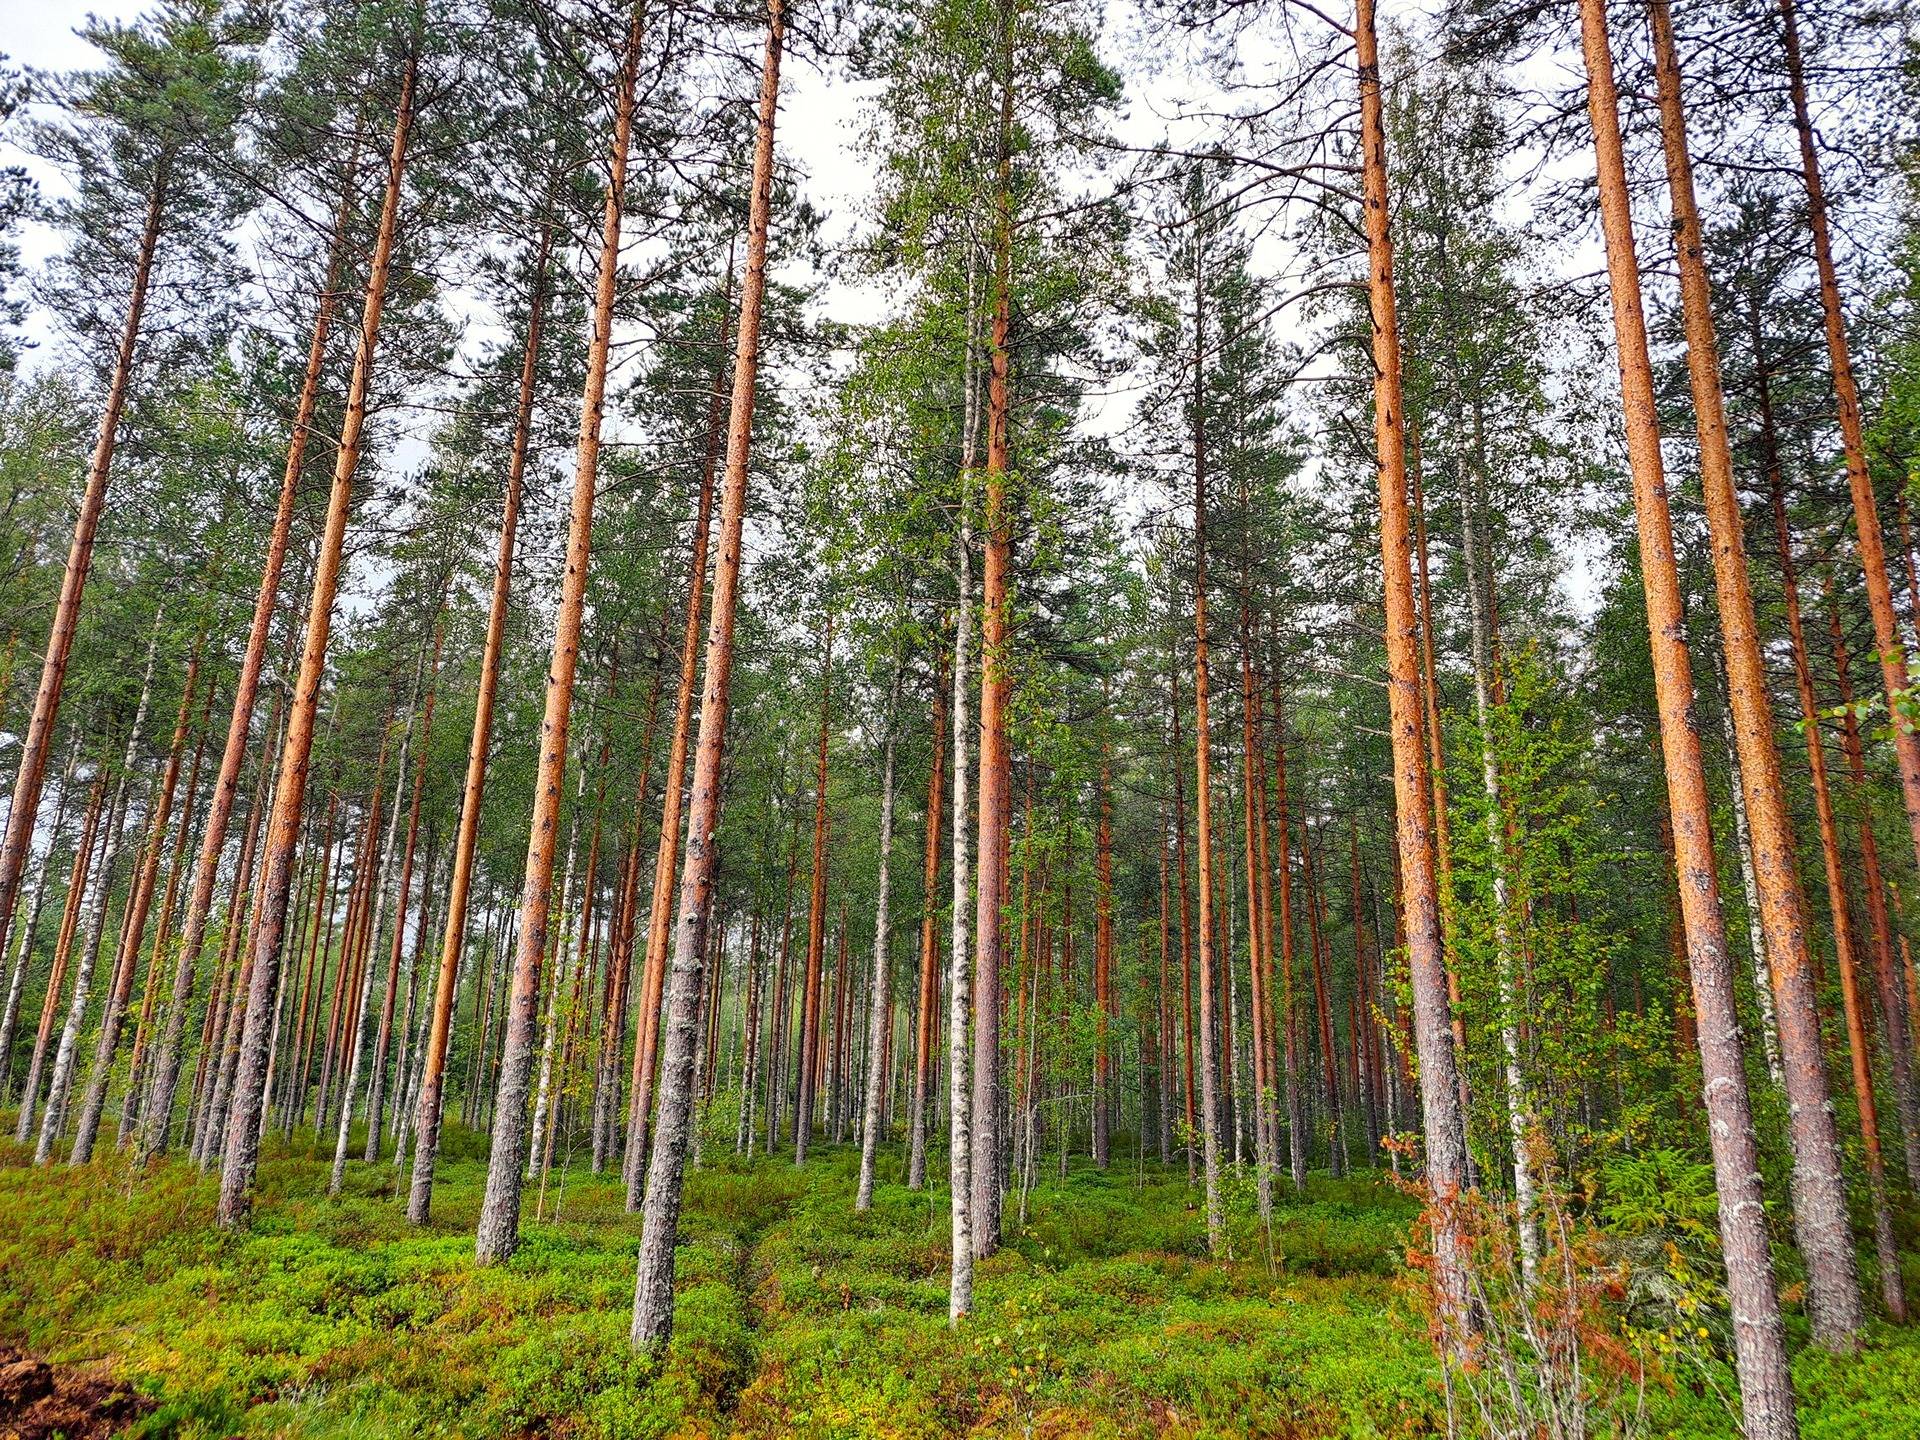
(1005,718)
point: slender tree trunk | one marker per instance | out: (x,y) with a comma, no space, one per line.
(880,997)
(653,1282)
(1103,947)
(816,918)
(1203,785)
(60,1085)
(77,886)
(358,1029)
(23,950)
(667,860)
(242,1149)
(246,691)
(1433,1034)
(929,994)
(987,1138)
(1866,515)
(1288,1024)
(499,1228)
(37,744)
(1759,1343)
(1520,1117)
(1886,1248)
(1750,892)
(959,982)
(376,1086)
(137,1096)
(243,919)
(134,930)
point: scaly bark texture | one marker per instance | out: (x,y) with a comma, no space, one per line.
(667,859)
(499,1229)
(241,1153)
(226,786)
(653,1281)
(37,744)
(1866,514)
(1759,1342)
(1420,902)
(1819,1188)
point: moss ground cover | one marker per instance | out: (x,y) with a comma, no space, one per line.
(1103,1316)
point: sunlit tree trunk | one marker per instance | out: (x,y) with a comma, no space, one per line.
(1433,1034)
(667,860)
(653,1282)
(37,744)
(1760,1351)
(245,693)
(1819,1187)
(242,1150)
(499,1228)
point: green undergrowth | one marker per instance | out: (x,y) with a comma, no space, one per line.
(1103,1315)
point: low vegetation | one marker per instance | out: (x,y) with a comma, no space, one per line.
(795,1316)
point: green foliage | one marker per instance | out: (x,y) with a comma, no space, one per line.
(795,1316)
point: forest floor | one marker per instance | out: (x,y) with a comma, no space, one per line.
(796,1317)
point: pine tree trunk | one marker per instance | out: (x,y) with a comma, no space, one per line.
(1820,1191)
(37,744)
(653,1283)
(499,1228)
(1760,1352)
(246,691)
(137,1094)
(23,950)
(242,1149)
(62,953)
(113,1019)
(667,860)
(1886,1249)
(1871,547)
(1433,1034)
(65,1057)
